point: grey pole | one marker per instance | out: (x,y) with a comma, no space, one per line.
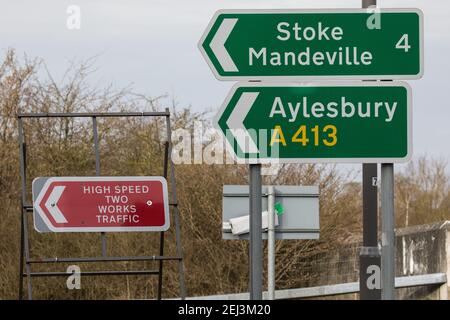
(97,173)
(271,243)
(255,232)
(387,232)
(176,212)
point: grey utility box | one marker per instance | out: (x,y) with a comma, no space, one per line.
(300,219)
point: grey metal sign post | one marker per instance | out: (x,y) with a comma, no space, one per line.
(271,243)
(387,221)
(255,232)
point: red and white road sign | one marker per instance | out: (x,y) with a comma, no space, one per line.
(100,204)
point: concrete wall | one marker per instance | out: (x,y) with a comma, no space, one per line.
(420,250)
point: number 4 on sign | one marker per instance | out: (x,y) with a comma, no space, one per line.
(403,43)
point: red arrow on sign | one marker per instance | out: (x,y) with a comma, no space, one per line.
(101,204)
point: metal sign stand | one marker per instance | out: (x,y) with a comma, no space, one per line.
(370,257)
(271,243)
(387,232)
(27,207)
(255,232)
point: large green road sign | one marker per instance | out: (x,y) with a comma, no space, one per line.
(322,122)
(315,44)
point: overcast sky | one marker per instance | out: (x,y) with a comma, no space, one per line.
(152,44)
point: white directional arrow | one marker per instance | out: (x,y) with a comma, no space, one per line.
(52,204)
(218,44)
(236,122)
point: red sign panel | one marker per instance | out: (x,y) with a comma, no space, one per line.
(101,204)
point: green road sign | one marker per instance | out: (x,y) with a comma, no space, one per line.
(367,122)
(315,44)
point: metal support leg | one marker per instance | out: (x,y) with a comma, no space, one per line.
(387,232)
(255,232)
(97,173)
(175,209)
(21,257)
(179,253)
(27,255)
(24,218)
(161,237)
(160,269)
(271,243)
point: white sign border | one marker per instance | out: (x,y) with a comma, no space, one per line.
(320,84)
(50,180)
